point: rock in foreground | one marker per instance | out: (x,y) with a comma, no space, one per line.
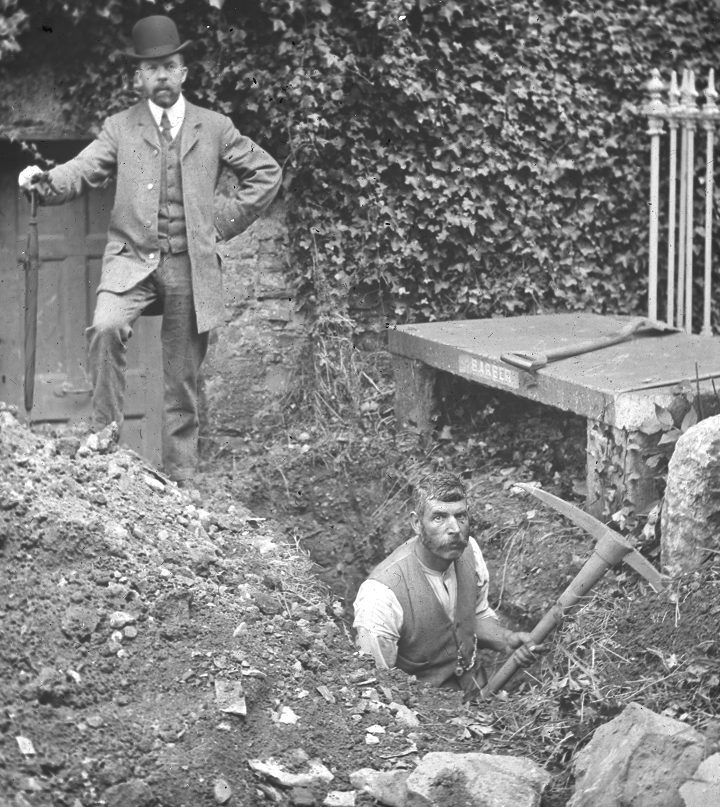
(639,758)
(692,500)
(442,778)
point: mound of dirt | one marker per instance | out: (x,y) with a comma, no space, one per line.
(663,649)
(153,641)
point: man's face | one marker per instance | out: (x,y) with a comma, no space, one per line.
(161,80)
(443,528)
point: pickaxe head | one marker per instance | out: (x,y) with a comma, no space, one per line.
(612,547)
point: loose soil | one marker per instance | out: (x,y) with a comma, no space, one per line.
(127,606)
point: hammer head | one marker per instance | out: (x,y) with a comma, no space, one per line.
(525,361)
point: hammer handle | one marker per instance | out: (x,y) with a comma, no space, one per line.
(535,361)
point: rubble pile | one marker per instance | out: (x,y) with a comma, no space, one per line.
(161,648)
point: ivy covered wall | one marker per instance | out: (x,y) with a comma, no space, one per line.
(469,157)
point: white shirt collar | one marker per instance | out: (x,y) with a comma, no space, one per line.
(175,113)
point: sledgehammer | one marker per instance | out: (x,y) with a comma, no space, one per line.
(535,361)
(610,550)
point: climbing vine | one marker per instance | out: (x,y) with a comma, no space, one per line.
(471,158)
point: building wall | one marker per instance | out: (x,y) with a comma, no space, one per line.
(251,357)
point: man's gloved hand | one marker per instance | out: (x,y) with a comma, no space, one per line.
(26,177)
(34,178)
(526,650)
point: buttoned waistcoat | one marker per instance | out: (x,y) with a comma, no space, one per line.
(430,644)
(128,148)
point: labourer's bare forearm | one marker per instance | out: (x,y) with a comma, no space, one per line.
(493,636)
(382,649)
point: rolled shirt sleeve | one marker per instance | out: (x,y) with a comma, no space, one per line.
(482,609)
(378,621)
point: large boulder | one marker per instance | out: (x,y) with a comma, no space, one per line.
(691,513)
(444,778)
(639,758)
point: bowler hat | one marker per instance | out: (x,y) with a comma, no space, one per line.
(155,37)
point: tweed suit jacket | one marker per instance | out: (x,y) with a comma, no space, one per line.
(128,149)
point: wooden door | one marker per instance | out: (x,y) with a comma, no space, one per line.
(72,239)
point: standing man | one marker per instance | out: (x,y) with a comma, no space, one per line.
(166,156)
(425,609)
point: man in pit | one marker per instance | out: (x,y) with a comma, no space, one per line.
(424,609)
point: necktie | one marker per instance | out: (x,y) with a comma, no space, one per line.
(165,126)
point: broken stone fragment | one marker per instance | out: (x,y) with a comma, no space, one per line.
(153,484)
(285,715)
(114,471)
(229,697)
(325,692)
(704,788)
(314,773)
(119,619)
(340,798)
(25,745)
(637,758)
(222,791)
(403,715)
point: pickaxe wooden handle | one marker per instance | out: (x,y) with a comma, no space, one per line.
(610,550)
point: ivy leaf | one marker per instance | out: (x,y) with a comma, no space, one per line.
(670,437)
(664,417)
(690,419)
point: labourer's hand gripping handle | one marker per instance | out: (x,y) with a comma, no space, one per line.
(611,549)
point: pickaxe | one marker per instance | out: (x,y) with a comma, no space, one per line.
(535,361)
(611,549)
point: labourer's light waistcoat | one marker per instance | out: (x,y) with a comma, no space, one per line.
(172,233)
(429,640)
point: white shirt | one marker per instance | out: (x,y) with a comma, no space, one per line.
(176,114)
(379,616)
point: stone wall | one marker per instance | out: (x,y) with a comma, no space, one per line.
(252,356)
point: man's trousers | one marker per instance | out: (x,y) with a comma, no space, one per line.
(183,351)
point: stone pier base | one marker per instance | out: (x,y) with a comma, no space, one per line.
(617,476)
(415,405)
